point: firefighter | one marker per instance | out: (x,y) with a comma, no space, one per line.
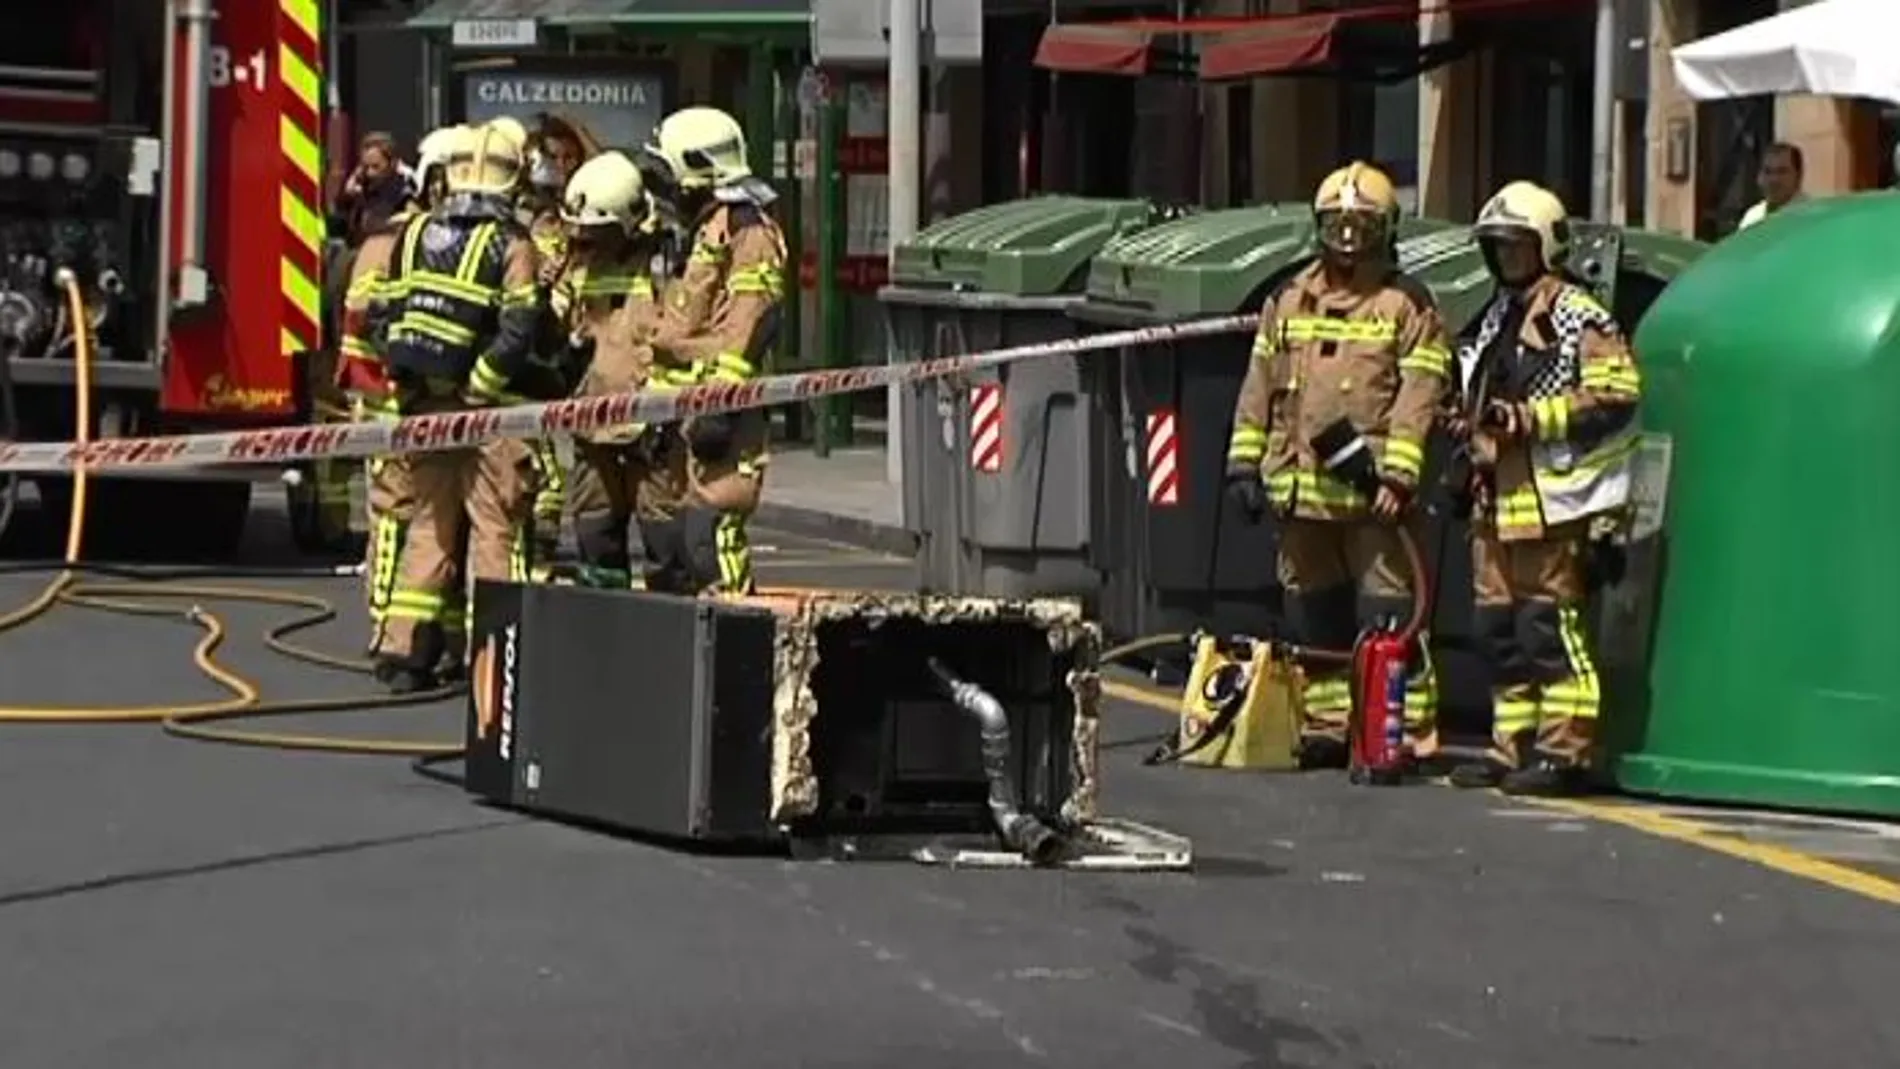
(721,318)
(607,305)
(1349,367)
(1553,389)
(558,146)
(462,315)
(364,376)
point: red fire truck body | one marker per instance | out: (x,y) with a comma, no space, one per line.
(170,154)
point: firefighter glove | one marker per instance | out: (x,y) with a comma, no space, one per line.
(710,437)
(1248,495)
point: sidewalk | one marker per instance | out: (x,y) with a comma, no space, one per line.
(842,498)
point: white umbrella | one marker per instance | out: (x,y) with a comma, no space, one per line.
(1845,48)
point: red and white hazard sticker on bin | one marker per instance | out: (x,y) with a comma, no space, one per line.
(459,430)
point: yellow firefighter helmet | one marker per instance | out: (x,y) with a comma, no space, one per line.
(1526,209)
(511,126)
(606,190)
(485,159)
(704,147)
(434,150)
(1356,209)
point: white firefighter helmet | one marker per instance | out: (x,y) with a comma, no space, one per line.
(434,150)
(1525,209)
(606,190)
(511,126)
(1356,209)
(704,147)
(485,159)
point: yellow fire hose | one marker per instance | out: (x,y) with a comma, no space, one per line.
(149,597)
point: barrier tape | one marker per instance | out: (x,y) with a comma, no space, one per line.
(462,429)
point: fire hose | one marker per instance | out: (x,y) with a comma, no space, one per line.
(155,594)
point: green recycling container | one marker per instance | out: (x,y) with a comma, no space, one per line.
(1772,374)
(997,483)
(1175,557)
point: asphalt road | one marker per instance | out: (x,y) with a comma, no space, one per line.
(165,903)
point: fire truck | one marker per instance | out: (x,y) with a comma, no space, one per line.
(169,153)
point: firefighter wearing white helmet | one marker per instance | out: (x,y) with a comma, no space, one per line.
(364,375)
(607,309)
(1550,395)
(722,319)
(462,309)
(1350,365)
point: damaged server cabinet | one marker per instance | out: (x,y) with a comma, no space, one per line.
(808,714)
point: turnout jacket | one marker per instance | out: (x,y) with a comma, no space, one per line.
(1373,353)
(1556,352)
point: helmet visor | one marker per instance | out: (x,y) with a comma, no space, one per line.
(1352,233)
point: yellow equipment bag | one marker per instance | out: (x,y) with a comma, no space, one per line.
(1241,708)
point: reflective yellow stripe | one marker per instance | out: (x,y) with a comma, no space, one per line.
(1265,342)
(1512,710)
(515,296)
(759,279)
(1613,377)
(1247,445)
(1402,456)
(444,330)
(1427,360)
(356,348)
(485,379)
(706,252)
(1550,418)
(1327,697)
(469,267)
(1320,328)
(1580,696)
(732,366)
(734,552)
(1313,488)
(617,286)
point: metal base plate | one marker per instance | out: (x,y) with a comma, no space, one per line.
(1101,846)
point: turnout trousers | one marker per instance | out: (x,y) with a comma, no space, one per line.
(1545,694)
(391,507)
(621,487)
(489,490)
(1342,576)
(550,502)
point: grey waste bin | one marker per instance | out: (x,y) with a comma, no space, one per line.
(998,486)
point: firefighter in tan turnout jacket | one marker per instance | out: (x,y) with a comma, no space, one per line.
(1350,366)
(1554,389)
(607,307)
(721,319)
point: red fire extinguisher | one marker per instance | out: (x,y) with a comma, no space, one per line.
(1378,714)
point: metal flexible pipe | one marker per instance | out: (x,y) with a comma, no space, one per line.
(1020,830)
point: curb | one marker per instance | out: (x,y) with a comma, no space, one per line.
(832,527)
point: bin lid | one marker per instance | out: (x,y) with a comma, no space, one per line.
(1449,264)
(1216,263)
(1029,248)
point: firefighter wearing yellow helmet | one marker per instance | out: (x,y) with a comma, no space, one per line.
(364,375)
(1550,380)
(607,308)
(721,320)
(1350,365)
(463,308)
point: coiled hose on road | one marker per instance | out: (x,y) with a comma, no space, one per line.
(156,594)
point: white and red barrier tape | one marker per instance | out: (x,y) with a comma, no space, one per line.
(458,430)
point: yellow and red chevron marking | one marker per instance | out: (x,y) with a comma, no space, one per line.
(300,66)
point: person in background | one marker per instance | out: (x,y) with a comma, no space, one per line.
(1780,181)
(376,191)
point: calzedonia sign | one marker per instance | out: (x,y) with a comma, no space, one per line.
(620,109)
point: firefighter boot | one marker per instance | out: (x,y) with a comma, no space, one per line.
(1497,764)
(415,671)
(1545,778)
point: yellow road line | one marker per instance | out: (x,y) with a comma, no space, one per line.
(1780,858)
(1641,818)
